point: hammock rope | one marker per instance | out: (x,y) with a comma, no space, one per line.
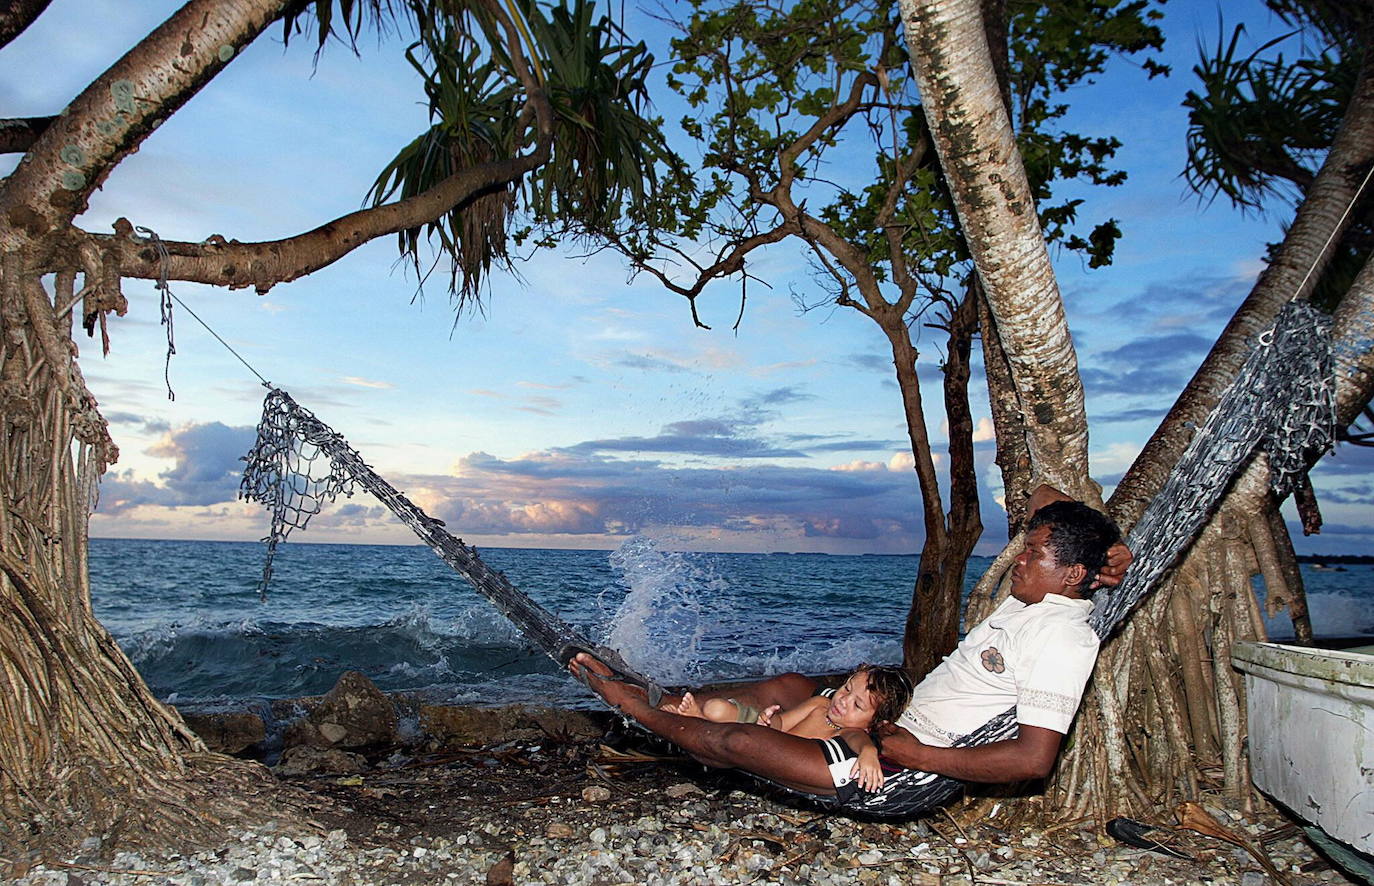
(299,464)
(1282,401)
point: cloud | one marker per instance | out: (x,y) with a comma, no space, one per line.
(206,470)
(783,396)
(150,425)
(857,445)
(1196,301)
(703,437)
(1174,346)
(1349,494)
(645,363)
(1130,415)
(579,492)
(1151,365)
(366,382)
(871,362)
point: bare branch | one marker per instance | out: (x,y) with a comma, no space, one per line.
(17,135)
(264,264)
(16,16)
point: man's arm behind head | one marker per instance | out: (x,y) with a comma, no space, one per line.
(1078,535)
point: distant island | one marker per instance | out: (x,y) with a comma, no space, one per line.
(1343,559)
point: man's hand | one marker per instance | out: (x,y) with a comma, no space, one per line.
(1118,558)
(1118,555)
(900,746)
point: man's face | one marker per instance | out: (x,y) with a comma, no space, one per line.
(1037,572)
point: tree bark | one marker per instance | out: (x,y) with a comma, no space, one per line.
(932,625)
(977,149)
(16,16)
(1007,421)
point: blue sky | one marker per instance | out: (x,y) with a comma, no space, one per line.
(582,406)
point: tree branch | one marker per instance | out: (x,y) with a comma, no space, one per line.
(17,135)
(113,115)
(1306,251)
(265,264)
(16,16)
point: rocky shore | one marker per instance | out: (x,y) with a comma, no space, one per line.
(522,796)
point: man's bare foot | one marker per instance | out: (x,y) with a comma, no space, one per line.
(688,706)
(601,680)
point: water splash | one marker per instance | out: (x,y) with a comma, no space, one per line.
(662,624)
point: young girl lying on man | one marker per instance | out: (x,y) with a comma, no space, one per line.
(870,695)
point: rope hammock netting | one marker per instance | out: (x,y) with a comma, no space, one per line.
(1282,402)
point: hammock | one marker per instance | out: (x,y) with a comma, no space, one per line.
(299,463)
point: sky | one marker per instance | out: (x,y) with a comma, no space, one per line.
(581,407)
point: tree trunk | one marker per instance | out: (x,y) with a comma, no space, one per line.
(85,749)
(1131,751)
(977,148)
(86,745)
(932,625)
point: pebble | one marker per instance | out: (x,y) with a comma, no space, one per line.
(711,840)
(596,794)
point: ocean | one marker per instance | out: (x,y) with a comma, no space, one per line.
(189,616)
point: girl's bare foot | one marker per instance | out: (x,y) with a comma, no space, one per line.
(687,707)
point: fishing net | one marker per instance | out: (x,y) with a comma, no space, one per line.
(1282,402)
(299,463)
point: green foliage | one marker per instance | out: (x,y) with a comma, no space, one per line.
(1261,121)
(345,19)
(1260,125)
(806,109)
(606,153)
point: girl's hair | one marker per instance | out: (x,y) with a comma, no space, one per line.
(891,691)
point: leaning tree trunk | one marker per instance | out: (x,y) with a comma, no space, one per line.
(973,135)
(1177,655)
(1306,249)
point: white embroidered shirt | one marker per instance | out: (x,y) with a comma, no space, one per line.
(1036,657)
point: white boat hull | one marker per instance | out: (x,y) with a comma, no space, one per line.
(1311,722)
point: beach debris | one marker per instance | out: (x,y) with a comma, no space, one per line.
(596,794)
(1195,818)
(309,760)
(681,789)
(503,872)
(1138,834)
(450,727)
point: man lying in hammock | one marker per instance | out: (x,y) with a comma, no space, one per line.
(1034,652)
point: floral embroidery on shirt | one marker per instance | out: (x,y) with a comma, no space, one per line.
(993,661)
